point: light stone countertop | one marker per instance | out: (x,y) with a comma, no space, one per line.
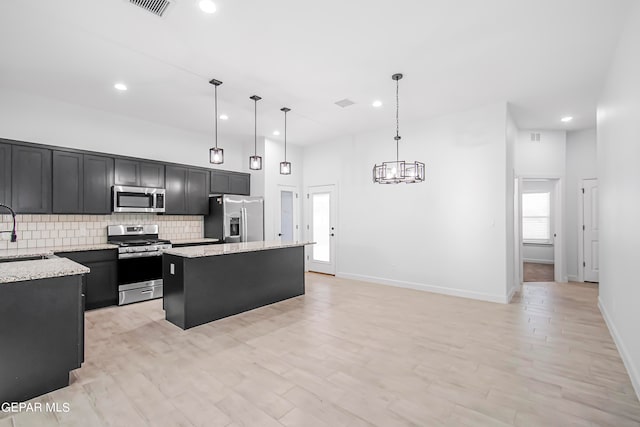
(48,251)
(20,271)
(193,241)
(230,248)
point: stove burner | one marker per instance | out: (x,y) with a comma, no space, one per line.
(139,242)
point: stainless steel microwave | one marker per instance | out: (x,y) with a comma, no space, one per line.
(138,199)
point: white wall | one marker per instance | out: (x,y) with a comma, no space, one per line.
(619,206)
(581,164)
(544,158)
(448,234)
(32,118)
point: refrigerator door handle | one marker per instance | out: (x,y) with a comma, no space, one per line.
(246,225)
(243,213)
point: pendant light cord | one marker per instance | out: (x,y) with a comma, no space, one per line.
(285,136)
(397,121)
(216,113)
(255,127)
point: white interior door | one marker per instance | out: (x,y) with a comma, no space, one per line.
(287,224)
(590,241)
(322,229)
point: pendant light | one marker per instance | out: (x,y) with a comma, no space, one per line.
(216,155)
(285,167)
(398,171)
(255,161)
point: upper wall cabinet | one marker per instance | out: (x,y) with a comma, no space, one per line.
(139,174)
(30,180)
(151,175)
(5,174)
(175,197)
(68,183)
(81,183)
(98,180)
(227,182)
(187,191)
(198,192)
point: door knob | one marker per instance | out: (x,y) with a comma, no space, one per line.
(280,234)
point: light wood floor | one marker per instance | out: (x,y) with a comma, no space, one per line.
(534,272)
(354,354)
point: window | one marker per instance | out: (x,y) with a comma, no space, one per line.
(536,217)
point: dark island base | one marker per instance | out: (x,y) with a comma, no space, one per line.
(41,336)
(209,288)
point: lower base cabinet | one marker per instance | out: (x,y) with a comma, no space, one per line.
(102,282)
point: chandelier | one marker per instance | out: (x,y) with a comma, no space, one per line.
(398,171)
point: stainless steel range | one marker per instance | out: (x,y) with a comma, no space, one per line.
(139,261)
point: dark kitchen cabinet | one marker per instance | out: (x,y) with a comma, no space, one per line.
(152,175)
(239,183)
(68,189)
(30,180)
(176,190)
(98,180)
(187,191)
(81,183)
(219,182)
(127,172)
(139,174)
(5,174)
(102,282)
(226,182)
(197,192)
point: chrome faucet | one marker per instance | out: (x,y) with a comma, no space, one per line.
(14,236)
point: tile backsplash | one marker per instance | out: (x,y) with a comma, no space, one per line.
(39,231)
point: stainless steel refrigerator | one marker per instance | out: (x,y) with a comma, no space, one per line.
(235,219)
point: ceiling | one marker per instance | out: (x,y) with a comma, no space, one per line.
(546,57)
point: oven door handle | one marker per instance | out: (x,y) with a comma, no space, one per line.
(139,255)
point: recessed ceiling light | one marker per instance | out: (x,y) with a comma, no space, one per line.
(224,117)
(276,132)
(207,6)
(377,103)
(566,119)
(120,86)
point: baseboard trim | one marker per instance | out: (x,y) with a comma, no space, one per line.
(622,349)
(512,292)
(572,278)
(537,261)
(502,299)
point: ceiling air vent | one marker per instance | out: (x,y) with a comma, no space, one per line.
(344,103)
(535,137)
(157,7)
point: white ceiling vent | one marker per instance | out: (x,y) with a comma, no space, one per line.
(157,7)
(535,137)
(344,103)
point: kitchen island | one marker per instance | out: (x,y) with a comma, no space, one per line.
(41,325)
(206,283)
